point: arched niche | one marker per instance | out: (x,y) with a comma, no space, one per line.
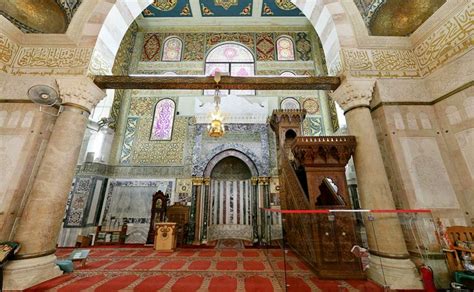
(230,153)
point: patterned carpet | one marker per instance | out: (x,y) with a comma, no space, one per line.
(144,269)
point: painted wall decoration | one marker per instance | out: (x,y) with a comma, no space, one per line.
(172,49)
(262,45)
(139,149)
(313,126)
(184,191)
(280,8)
(311,105)
(285,49)
(168,8)
(163,120)
(220,8)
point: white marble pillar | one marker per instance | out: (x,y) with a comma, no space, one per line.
(40,222)
(390,263)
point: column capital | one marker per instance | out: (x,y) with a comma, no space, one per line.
(354,93)
(197,181)
(80,92)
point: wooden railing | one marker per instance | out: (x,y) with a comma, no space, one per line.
(298,228)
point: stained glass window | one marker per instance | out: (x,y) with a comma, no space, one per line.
(172,49)
(163,119)
(234,59)
(285,50)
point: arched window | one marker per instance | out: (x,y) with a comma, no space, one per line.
(163,119)
(288,74)
(285,49)
(234,59)
(172,49)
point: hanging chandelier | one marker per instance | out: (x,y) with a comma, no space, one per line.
(216,127)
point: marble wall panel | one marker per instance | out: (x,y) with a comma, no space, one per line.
(131,199)
(428,174)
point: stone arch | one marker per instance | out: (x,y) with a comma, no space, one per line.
(226,153)
(109,22)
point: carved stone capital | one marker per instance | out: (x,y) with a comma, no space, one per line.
(263,180)
(80,92)
(354,93)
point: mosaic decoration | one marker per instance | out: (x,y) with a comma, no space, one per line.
(78,203)
(311,105)
(333,112)
(151,47)
(280,8)
(312,126)
(163,120)
(152,152)
(265,47)
(262,46)
(303,46)
(249,139)
(244,38)
(172,49)
(285,49)
(290,103)
(220,8)
(130,131)
(66,9)
(194,47)
(168,8)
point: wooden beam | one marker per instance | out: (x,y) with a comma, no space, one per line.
(227,82)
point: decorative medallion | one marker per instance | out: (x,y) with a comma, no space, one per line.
(226,4)
(285,4)
(165,5)
(266,10)
(186,11)
(311,106)
(247,10)
(206,11)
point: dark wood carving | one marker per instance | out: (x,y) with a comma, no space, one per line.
(226,82)
(158,213)
(323,240)
(179,214)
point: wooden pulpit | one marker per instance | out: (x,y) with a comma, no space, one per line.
(165,236)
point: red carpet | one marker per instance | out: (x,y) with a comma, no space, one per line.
(187,284)
(193,269)
(153,283)
(223,283)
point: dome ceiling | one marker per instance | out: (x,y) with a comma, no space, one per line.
(40,16)
(396,17)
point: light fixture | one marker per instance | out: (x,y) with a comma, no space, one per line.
(216,127)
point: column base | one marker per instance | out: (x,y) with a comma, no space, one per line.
(395,273)
(22,274)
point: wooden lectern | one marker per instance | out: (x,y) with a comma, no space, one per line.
(165,236)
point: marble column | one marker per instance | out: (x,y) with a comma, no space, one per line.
(206,209)
(389,259)
(40,222)
(196,211)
